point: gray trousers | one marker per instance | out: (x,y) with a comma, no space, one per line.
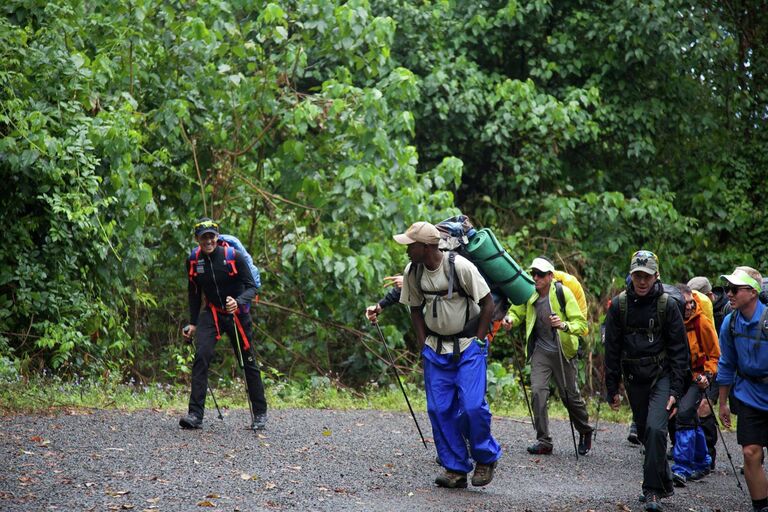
(546,365)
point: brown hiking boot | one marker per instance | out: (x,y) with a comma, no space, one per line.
(452,480)
(483,474)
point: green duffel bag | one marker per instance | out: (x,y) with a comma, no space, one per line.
(485,251)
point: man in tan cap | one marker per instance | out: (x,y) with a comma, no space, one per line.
(743,364)
(451,308)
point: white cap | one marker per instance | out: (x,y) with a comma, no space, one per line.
(542,265)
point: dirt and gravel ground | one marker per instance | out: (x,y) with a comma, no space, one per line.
(313,460)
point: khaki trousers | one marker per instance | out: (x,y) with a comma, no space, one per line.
(545,366)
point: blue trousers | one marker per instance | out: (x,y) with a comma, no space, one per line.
(457,408)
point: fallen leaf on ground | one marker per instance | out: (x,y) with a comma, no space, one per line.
(213,496)
(270,485)
(205,503)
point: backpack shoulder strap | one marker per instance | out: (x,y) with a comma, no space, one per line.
(764,324)
(229,259)
(194,255)
(451,273)
(561,297)
(623,309)
(661,309)
(762,336)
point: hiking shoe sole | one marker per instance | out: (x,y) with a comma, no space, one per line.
(451,481)
(190,423)
(667,494)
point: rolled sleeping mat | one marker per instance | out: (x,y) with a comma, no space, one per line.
(485,251)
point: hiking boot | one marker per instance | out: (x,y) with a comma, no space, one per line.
(539,449)
(585,443)
(483,474)
(678,480)
(653,501)
(191,421)
(632,437)
(259,422)
(665,494)
(452,480)
(698,475)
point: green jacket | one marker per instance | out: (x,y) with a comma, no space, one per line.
(573,319)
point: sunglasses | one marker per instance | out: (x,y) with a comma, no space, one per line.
(538,273)
(691,304)
(733,290)
(206,224)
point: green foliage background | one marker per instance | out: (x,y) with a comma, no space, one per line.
(314,130)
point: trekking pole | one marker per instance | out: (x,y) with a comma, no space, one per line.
(397,375)
(728,453)
(561,356)
(599,403)
(242,365)
(210,390)
(519,371)
(597,416)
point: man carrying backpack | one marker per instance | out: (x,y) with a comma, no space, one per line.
(220,275)
(451,308)
(552,331)
(744,365)
(646,343)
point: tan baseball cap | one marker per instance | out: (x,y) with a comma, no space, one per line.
(421,231)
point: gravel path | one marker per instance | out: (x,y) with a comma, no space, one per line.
(314,460)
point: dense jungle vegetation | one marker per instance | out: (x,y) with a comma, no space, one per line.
(314,130)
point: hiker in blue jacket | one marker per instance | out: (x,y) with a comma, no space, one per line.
(743,364)
(451,309)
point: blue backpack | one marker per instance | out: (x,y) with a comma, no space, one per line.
(231,245)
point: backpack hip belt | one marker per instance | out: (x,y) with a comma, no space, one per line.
(752,378)
(469,330)
(645,360)
(216,311)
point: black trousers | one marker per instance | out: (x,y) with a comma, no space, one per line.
(649,411)
(204,347)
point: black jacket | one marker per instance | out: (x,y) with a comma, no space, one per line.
(214,281)
(621,343)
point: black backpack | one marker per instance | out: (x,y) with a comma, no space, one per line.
(670,292)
